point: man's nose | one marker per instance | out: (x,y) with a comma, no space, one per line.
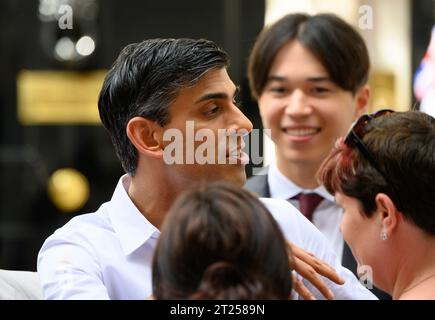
(297,104)
(239,121)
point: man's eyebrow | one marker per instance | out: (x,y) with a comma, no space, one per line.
(217,95)
(318,79)
(276,78)
(309,79)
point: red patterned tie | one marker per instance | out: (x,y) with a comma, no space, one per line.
(308,202)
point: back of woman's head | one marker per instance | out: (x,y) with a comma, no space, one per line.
(219,242)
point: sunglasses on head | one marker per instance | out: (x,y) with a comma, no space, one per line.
(355,139)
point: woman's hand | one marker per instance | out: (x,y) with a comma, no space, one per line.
(310,267)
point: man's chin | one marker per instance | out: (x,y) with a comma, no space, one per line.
(240,178)
(236,177)
(234,174)
(241,181)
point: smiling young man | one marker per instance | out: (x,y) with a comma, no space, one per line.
(155,87)
(309,75)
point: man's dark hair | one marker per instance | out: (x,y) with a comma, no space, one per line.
(145,79)
(220,242)
(403,144)
(336,44)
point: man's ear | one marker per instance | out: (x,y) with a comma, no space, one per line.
(143,134)
(362,99)
(389,215)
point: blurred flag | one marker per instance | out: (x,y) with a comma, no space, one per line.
(424,79)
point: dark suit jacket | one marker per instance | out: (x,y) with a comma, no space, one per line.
(259,185)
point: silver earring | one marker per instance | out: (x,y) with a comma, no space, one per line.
(384,236)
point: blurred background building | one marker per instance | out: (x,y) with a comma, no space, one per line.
(57,161)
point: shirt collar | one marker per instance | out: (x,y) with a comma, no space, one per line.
(283,188)
(131,227)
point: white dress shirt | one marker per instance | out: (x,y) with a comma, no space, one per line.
(326,217)
(108,254)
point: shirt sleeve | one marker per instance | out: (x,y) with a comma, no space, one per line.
(67,270)
(299,230)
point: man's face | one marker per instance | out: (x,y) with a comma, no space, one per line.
(208,106)
(304,109)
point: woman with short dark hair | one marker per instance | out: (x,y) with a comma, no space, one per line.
(383,176)
(220,242)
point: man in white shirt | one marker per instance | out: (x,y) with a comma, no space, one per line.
(156,89)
